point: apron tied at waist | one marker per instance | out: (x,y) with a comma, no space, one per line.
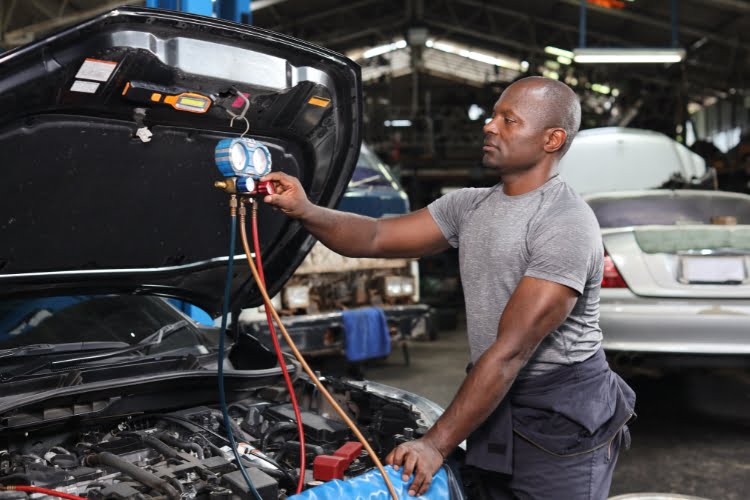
(571,410)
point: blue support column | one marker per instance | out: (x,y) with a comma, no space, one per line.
(162,4)
(582,25)
(235,10)
(675,17)
(200,7)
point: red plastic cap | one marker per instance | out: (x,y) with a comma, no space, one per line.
(327,467)
(265,188)
(350,451)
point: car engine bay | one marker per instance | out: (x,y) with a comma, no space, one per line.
(184,454)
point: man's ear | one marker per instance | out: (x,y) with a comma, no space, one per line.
(555,139)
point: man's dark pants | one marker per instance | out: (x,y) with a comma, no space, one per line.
(555,436)
(538,475)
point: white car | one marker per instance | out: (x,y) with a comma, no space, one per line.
(676,288)
(625,159)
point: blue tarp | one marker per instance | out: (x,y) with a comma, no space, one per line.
(366,333)
(370,486)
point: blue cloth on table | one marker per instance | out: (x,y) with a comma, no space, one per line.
(370,486)
(366,333)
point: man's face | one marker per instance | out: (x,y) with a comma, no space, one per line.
(514,137)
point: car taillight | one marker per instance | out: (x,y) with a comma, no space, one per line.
(612,278)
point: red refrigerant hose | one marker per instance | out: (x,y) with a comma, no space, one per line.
(323,391)
(277,348)
(45,491)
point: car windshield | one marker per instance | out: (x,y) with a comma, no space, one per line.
(669,209)
(370,171)
(124,319)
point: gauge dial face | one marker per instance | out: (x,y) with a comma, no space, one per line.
(237,157)
(260,161)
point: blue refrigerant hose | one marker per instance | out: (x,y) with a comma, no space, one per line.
(222,333)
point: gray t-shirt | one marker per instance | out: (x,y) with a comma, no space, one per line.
(549,233)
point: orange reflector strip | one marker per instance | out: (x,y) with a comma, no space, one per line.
(156,97)
(125,90)
(319,101)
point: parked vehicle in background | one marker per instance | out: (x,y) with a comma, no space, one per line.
(675,297)
(676,288)
(326,283)
(624,159)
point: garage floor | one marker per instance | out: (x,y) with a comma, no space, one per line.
(674,450)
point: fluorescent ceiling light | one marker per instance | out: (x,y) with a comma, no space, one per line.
(445,47)
(464,51)
(564,60)
(475,112)
(397,123)
(384,49)
(602,89)
(558,52)
(489,59)
(614,55)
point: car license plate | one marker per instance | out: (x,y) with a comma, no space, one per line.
(713,269)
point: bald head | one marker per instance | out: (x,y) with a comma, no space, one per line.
(551,104)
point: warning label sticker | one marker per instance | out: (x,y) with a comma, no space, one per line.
(94,69)
(82,86)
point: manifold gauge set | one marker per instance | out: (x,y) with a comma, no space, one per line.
(244,159)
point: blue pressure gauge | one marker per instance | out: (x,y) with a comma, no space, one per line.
(242,157)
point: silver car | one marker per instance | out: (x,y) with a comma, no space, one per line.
(676,288)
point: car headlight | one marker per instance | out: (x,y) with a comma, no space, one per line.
(297,297)
(398,286)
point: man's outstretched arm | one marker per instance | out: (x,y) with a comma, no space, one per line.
(412,235)
(536,308)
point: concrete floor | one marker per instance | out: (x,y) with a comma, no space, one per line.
(673,451)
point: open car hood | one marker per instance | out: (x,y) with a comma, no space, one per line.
(91,205)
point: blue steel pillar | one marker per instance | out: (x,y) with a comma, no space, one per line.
(235,10)
(163,4)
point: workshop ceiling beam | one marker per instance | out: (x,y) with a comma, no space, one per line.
(257,5)
(347,36)
(26,34)
(598,35)
(736,5)
(44,9)
(321,14)
(665,25)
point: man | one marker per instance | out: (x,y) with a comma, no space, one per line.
(543,414)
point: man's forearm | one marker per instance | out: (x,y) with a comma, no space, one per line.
(481,392)
(345,233)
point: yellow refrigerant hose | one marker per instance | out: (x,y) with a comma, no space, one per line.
(298,355)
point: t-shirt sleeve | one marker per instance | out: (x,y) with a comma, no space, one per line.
(563,249)
(447,212)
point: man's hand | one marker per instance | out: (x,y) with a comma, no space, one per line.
(290,197)
(420,457)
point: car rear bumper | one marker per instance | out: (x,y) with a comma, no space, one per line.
(697,327)
(323,334)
